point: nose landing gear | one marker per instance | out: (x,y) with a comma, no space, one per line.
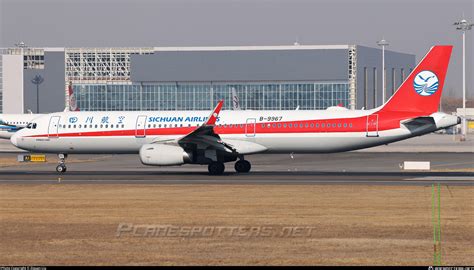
(61,168)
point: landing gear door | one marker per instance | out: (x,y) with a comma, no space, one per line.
(53,126)
(140,126)
(250,127)
(373,125)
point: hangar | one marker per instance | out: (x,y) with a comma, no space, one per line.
(306,77)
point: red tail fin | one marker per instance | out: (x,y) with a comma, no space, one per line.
(72,99)
(421,91)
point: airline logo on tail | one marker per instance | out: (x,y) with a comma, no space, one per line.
(426,83)
(72,99)
(235,100)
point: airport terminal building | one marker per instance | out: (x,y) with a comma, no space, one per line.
(306,77)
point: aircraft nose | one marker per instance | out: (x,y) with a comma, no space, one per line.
(14,139)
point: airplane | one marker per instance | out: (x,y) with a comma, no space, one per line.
(11,123)
(166,138)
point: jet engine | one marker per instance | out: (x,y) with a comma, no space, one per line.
(164,155)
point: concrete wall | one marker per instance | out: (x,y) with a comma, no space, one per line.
(52,90)
(215,66)
(12,66)
(371,89)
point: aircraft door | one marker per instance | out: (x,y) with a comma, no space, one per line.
(140,127)
(250,127)
(372,125)
(53,126)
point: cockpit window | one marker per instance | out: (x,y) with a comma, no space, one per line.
(31,125)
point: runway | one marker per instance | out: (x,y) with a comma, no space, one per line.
(309,169)
(291,178)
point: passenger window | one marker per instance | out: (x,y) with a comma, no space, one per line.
(274,125)
(279,125)
(301,125)
(112,126)
(312,125)
(306,125)
(263,125)
(69,126)
(74,126)
(90,126)
(284,125)
(290,125)
(339,125)
(96,126)
(80,126)
(350,124)
(323,125)
(317,125)
(123,125)
(154,125)
(159,125)
(334,125)
(345,125)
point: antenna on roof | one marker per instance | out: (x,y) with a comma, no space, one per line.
(296,43)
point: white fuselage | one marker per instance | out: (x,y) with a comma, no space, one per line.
(278,131)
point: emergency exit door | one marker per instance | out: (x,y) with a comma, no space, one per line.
(373,125)
(53,126)
(140,126)
(250,127)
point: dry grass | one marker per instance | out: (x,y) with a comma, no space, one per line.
(364,225)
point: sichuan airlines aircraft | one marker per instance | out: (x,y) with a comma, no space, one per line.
(163,138)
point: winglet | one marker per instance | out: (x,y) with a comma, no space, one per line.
(211,120)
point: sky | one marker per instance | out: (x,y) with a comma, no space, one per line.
(411,26)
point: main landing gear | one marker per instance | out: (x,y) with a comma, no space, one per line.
(217,168)
(242,166)
(61,168)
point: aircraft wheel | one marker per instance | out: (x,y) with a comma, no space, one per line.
(242,166)
(216,168)
(61,168)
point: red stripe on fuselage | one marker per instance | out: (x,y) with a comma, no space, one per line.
(387,120)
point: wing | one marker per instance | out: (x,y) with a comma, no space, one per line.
(204,137)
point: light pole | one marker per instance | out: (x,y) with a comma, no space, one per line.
(383,43)
(37,80)
(463,25)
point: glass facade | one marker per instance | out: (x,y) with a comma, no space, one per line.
(204,96)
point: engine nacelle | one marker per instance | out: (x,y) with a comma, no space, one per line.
(163,155)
